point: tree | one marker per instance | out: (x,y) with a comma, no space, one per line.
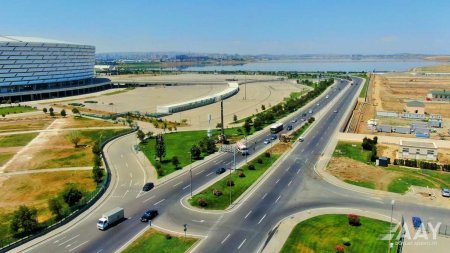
(96,149)
(97,160)
(263,107)
(235,118)
(24,221)
(175,161)
(75,111)
(257,123)
(74,137)
(55,207)
(72,195)
(195,152)
(247,125)
(311,120)
(97,174)
(52,114)
(160,147)
(51,110)
(44,110)
(149,134)
(63,113)
(140,134)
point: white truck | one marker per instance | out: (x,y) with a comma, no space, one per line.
(110,218)
(241,147)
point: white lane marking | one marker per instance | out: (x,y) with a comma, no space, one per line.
(69,245)
(100,251)
(177,184)
(126,164)
(225,239)
(262,219)
(59,239)
(242,243)
(209,174)
(184,188)
(68,240)
(79,245)
(148,199)
(298,171)
(159,202)
(199,172)
(277,199)
(123,196)
(264,196)
(277,181)
(247,214)
(200,221)
(289,183)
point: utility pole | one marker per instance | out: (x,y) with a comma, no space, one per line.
(190,171)
(390,227)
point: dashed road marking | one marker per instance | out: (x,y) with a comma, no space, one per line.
(262,218)
(159,202)
(247,214)
(225,238)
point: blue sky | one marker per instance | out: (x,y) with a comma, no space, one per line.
(244,27)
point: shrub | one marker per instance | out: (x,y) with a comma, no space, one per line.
(251,167)
(241,174)
(353,220)
(339,249)
(202,202)
(217,192)
(168,237)
(230,183)
(259,160)
(267,154)
(346,241)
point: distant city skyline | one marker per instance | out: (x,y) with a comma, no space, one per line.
(241,27)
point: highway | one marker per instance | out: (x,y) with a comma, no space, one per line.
(291,187)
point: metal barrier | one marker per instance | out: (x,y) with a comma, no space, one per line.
(80,208)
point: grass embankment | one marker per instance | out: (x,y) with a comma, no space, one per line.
(241,184)
(154,241)
(15,109)
(363,92)
(323,233)
(179,144)
(118,91)
(34,190)
(352,164)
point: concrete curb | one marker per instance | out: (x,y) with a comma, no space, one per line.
(284,228)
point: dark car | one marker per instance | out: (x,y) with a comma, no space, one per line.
(148,186)
(289,128)
(220,171)
(149,215)
(273,137)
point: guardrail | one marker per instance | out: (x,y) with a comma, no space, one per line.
(80,208)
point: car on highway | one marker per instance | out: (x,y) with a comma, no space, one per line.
(294,121)
(318,104)
(149,215)
(220,171)
(148,186)
(267,141)
(303,119)
(304,114)
(273,137)
(327,96)
(289,127)
(301,139)
(310,111)
(335,111)
(445,192)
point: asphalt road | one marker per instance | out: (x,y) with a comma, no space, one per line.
(293,186)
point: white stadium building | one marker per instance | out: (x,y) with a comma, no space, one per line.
(35,68)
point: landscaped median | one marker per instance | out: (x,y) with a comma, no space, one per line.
(154,241)
(339,233)
(217,196)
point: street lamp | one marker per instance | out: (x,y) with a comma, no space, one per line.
(190,171)
(390,227)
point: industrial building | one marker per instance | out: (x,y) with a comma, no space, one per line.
(35,68)
(439,95)
(417,150)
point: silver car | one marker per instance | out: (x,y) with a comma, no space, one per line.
(445,192)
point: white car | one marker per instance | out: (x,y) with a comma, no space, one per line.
(266,141)
(445,192)
(335,111)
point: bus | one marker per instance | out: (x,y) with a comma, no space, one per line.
(275,128)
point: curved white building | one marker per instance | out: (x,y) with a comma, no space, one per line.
(35,68)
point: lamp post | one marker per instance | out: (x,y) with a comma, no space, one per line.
(190,171)
(390,227)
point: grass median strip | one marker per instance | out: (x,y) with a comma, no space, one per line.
(323,233)
(217,196)
(154,241)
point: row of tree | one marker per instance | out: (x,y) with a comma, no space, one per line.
(422,164)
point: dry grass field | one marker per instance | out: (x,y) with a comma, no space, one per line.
(24,123)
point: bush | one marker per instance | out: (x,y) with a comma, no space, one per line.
(346,241)
(72,195)
(230,183)
(353,220)
(24,221)
(259,160)
(251,167)
(267,154)
(241,174)
(217,192)
(168,237)
(339,249)
(202,202)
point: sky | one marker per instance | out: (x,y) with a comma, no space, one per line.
(242,27)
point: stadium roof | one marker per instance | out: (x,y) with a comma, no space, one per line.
(32,39)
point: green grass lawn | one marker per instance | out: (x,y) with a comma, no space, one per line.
(323,233)
(351,150)
(402,184)
(363,92)
(4,157)
(16,140)
(15,109)
(241,184)
(179,144)
(157,242)
(370,185)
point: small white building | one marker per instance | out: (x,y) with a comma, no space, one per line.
(417,150)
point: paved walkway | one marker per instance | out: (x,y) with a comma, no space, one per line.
(286,226)
(43,171)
